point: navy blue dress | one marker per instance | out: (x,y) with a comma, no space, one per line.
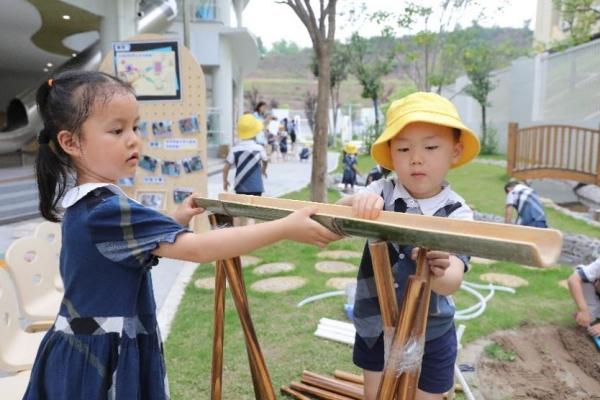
(105,343)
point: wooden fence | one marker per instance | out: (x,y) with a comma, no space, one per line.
(554,151)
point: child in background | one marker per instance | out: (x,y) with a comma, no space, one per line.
(424,137)
(248,157)
(584,285)
(350,170)
(105,341)
(527,203)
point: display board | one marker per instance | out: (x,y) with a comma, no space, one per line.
(170,87)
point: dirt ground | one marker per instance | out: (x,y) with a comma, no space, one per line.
(551,364)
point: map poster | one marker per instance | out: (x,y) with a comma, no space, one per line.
(152,68)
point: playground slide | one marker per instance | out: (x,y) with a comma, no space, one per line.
(22,119)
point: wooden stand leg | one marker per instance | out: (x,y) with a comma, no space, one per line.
(412,321)
(217,361)
(232,269)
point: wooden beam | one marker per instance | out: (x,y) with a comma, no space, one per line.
(521,244)
(317,392)
(324,382)
(347,376)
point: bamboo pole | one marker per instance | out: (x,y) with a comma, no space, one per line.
(296,395)
(410,381)
(320,393)
(333,385)
(349,377)
(389,380)
(384,282)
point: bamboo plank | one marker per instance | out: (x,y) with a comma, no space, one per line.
(320,393)
(530,246)
(218,328)
(349,377)
(333,385)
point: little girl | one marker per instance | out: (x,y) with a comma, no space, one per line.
(350,171)
(105,342)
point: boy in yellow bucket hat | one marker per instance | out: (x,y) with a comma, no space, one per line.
(350,170)
(424,137)
(248,157)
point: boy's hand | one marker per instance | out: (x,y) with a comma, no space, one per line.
(301,228)
(583,318)
(367,205)
(594,330)
(437,261)
(187,209)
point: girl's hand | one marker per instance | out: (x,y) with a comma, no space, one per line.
(583,318)
(438,261)
(301,228)
(187,210)
(367,205)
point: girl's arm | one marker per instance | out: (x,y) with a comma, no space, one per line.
(230,242)
(508,214)
(582,316)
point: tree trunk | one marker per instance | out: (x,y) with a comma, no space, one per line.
(376,110)
(483,127)
(319,162)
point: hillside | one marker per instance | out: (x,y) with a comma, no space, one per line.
(285,78)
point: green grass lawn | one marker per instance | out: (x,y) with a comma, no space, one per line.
(286,332)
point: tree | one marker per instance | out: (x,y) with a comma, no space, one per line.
(579,18)
(262,50)
(284,47)
(310,109)
(252,97)
(321,29)
(369,64)
(339,72)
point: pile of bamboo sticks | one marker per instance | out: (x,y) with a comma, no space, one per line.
(342,386)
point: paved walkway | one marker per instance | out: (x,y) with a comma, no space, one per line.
(172,276)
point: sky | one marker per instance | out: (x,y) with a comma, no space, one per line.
(272,22)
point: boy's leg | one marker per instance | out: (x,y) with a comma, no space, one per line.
(372,379)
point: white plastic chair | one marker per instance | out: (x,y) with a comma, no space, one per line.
(51,233)
(32,263)
(13,387)
(17,347)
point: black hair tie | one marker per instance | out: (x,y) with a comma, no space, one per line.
(44,136)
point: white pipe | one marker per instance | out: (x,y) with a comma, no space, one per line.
(334,322)
(321,296)
(334,337)
(465,387)
(490,285)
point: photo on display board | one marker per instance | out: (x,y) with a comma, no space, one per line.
(189,125)
(179,194)
(143,129)
(171,168)
(192,164)
(162,128)
(127,182)
(151,198)
(148,163)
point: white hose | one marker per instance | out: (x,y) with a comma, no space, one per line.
(497,288)
(321,296)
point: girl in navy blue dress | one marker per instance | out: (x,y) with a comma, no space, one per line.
(105,342)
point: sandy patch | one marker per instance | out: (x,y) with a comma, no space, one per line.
(551,363)
(334,267)
(512,281)
(339,254)
(273,268)
(340,283)
(278,284)
(563,284)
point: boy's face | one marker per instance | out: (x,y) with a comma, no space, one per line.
(422,154)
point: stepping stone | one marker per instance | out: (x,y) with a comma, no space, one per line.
(334,267)
(340,283)
(563,284)
(512,281)
(273,268)
(278,284)
(207,283)
(339,254)
(484,261)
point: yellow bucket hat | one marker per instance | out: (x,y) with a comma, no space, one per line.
(248,126)
(350,148)
(423,107)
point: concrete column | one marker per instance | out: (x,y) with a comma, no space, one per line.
(119,23)
(224,11)
(223,92)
